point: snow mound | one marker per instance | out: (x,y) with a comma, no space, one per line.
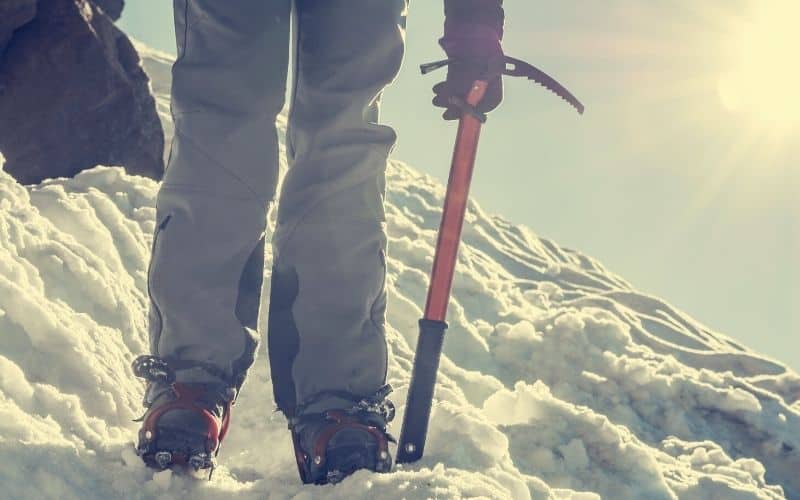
(559,380)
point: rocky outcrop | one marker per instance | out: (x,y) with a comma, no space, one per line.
(73,95)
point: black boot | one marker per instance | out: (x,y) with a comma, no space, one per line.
(331,445)
(185,423)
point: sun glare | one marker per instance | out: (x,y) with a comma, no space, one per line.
(764,80)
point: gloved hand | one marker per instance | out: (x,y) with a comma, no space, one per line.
(472,33)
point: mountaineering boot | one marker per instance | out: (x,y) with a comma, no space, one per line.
(331,445)
(185,422)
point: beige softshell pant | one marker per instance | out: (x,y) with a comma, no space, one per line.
(327,306)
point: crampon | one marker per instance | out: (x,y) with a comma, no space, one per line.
(331,445)
(185,423)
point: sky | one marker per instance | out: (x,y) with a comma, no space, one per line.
(683,174)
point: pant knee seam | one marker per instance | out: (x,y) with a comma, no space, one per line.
(217,164)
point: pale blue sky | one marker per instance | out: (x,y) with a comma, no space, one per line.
(682,197)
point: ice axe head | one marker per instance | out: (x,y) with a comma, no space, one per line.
(513,67)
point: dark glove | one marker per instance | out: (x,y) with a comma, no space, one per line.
(472,33)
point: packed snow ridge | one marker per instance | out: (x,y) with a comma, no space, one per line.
(559,380)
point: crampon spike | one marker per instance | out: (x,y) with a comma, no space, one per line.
(163,459)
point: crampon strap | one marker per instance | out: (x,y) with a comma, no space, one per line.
(156,369)
(376,404)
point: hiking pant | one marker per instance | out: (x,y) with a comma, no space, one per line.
(326,328)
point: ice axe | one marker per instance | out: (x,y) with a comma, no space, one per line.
(432,326)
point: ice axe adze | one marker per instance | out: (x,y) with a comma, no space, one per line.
(432,325)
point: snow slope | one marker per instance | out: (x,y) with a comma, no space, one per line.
(559,380)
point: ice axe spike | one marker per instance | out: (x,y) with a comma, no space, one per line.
(432,326)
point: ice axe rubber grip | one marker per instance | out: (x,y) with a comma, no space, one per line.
(420,394)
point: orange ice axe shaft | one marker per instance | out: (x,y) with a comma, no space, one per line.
(433,326)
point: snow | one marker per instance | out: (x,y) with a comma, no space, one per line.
(559,380)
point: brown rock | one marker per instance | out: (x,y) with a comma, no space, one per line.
(73,96)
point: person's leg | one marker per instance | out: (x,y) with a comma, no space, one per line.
(328,299)
(229,83)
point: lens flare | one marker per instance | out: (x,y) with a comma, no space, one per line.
(763,81)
